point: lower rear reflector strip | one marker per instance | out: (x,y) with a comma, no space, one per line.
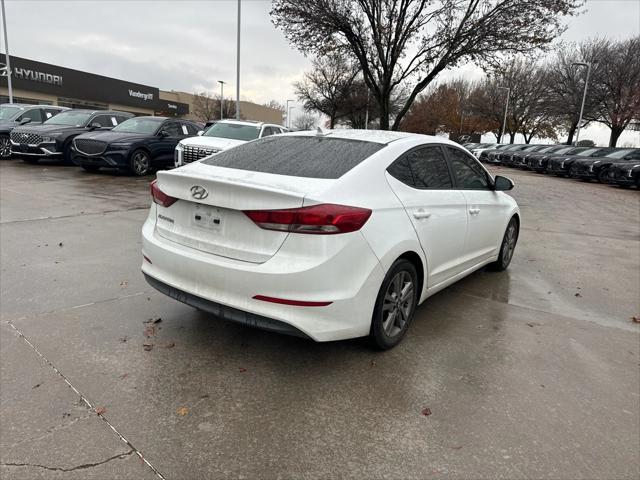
(297,303)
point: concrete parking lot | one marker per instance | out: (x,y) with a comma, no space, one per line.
(530,373)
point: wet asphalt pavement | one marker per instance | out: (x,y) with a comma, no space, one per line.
(530,373)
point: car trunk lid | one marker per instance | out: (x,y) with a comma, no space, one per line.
(209,213)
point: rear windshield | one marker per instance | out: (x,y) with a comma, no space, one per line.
(311,157)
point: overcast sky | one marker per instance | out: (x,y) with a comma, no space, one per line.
(189,45)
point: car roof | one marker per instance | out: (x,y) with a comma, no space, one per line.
(375,136)
(249,123)
(29,105)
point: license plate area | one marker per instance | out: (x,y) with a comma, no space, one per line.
(208,218)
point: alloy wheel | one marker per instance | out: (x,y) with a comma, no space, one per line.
(509,244)
(141,163)
(5,147)
(398,303)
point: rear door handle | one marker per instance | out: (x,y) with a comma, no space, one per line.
(421,214)
(474,211)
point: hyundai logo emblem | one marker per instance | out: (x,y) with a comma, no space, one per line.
(199,192)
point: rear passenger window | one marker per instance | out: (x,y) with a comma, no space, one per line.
(468,172)
(423,168)
(191,129)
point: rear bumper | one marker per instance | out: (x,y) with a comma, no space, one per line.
(224,312)
(348,274)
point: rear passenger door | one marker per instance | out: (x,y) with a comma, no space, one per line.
(422,181)
(167,144)
(486,212)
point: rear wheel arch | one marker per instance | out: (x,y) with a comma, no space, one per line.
(144,148)
(417,262)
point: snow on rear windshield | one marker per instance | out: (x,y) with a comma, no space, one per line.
(311,157)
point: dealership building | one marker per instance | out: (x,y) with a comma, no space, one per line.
(42,83)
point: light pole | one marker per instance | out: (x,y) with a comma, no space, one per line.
(506,107)
(584,95)
(6,45)
(238,68)
(366,114)
(221,98)
(289,115)
(288,119)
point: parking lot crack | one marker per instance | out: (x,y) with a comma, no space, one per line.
(51,431)
(91,407)
(71,469)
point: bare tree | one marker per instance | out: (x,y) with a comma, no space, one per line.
(306,121)
(617,86)
(275,105)
(327,86)
(401,41)
(529,111)
(207,107)
(566,83)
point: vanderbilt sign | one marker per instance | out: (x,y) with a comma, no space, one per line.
(143,96)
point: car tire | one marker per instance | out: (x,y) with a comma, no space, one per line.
(90,168)
(5,147)
(140,163)
(395,305)
(67,157)
(602,175)
(507,247)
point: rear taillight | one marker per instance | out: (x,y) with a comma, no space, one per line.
(160,197)
(324,219)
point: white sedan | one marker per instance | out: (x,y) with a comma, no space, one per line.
(327,235)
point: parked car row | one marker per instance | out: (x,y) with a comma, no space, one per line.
(619,166)
(95,139)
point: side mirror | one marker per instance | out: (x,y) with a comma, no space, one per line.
(94,126)
(501,184)
(24,121)
(200,132)
(163,133)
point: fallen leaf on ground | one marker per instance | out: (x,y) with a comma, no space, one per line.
(147,346)
(35,386)
(124,375)
(182,411)
(169,345)
(242,370)
(577,294)
(373,363)
(123,284)
(60,244)
(124,339)
(101,410)
(206,395)
(153,320)
(635,319)
(149,331)
(426,411)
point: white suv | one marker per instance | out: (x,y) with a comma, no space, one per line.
(222,135)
